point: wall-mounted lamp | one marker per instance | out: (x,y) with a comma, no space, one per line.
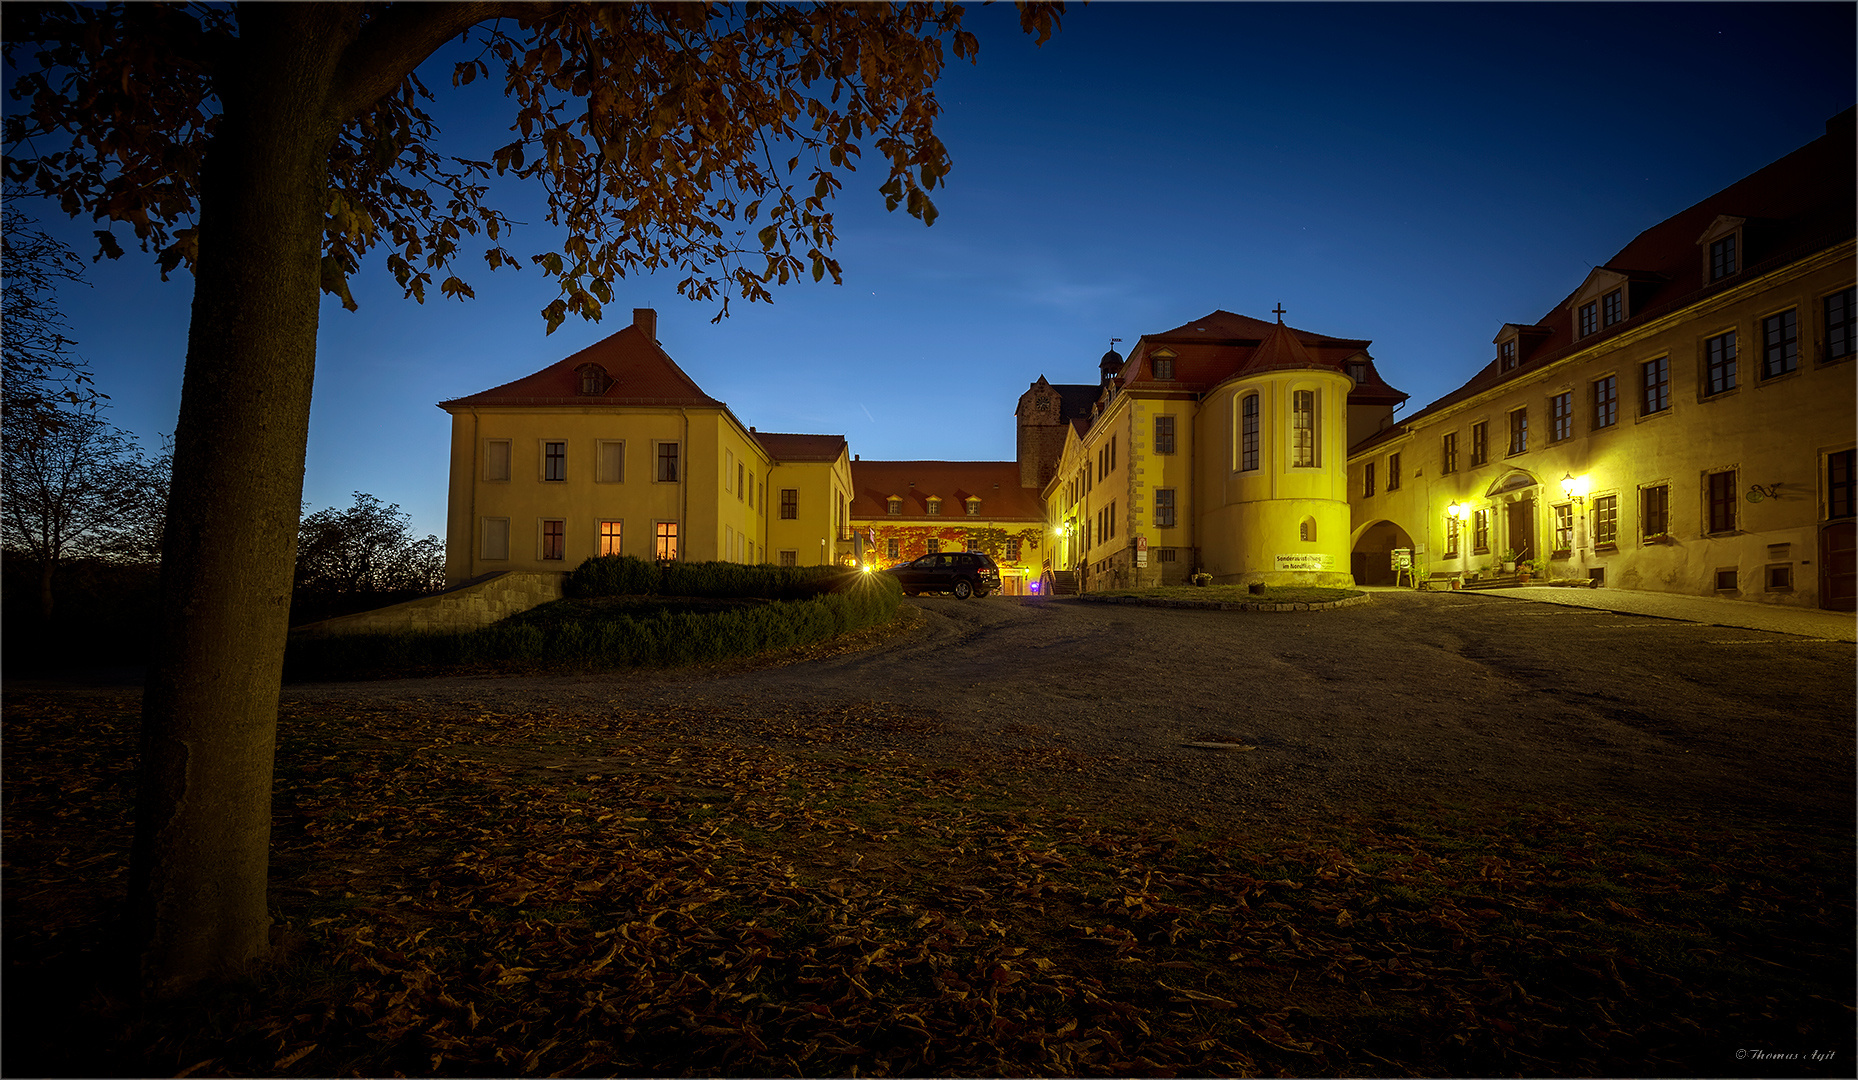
(1758,492)
(1456,511)
(1575,488)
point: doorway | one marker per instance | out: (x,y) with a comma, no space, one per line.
(1522,529)
(1838,566)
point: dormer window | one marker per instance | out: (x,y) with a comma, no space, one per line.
(935,507)
(1612,307)
(1358,371)
(895,506)
(974,507)
(594,380)
(1722,258)
(1506,354)
(1589,318)
(1722,247)
(1162,365)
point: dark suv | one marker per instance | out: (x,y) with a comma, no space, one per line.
(964,573)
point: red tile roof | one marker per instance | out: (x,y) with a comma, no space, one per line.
(1798,205)
(1210,350)
(995,483)
(782,447)
(642,373)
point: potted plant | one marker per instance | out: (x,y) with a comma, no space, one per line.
(1202,579)
(1508,560)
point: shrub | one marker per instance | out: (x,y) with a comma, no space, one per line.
(659,639)
(627,575)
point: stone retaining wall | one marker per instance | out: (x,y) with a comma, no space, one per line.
(462,608)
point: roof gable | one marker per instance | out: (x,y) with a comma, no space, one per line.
(638,372)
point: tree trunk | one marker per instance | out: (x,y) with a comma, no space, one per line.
(47,566)
(197,905)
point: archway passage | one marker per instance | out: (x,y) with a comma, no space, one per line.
(1372,560)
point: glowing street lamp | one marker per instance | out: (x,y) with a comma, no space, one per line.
(1576,488)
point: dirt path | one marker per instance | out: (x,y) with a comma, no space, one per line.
(1414,697)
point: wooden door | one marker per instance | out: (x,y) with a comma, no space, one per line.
(1522,529)
(1838,566)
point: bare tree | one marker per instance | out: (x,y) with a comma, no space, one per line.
(68,486)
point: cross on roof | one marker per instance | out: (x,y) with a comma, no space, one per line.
(1279,311)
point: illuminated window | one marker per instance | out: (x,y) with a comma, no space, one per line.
(1606,401)
(1248,433)
(1393,472)
(1606,519)
(664,544)
(1780,345)
(1519,431)
(1480,532)
(554,538)
(1719,363)
(1561,416)
(1612,308)
(609,537)
(1164,434)
(554,461)
(1448,453)
(1303,429)
(1480,443)
(1654,511)
(1840,322)
(1656,385)
(1722,501)
(1564,529)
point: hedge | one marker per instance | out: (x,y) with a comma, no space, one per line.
(627,575)
(663,639)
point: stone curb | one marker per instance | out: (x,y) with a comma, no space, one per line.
(1224,605)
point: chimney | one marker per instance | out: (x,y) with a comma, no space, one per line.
(646,319)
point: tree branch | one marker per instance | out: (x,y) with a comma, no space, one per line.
(392,46)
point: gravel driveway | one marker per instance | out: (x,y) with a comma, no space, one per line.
(1413,697)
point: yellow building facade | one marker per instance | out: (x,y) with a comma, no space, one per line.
(1682,422)
(1218,447)
(616,451)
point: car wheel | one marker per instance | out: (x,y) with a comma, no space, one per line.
(962,590)
(909,592)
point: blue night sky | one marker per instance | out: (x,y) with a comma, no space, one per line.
(1416,175)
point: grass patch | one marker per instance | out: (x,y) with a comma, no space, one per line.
(531,893)
(1272,594)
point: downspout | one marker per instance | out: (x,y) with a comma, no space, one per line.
(477,470)
(683,490)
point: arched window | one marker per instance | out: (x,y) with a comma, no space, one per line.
(594,379)
(1248,433)
(1306,529)
(1305,435)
